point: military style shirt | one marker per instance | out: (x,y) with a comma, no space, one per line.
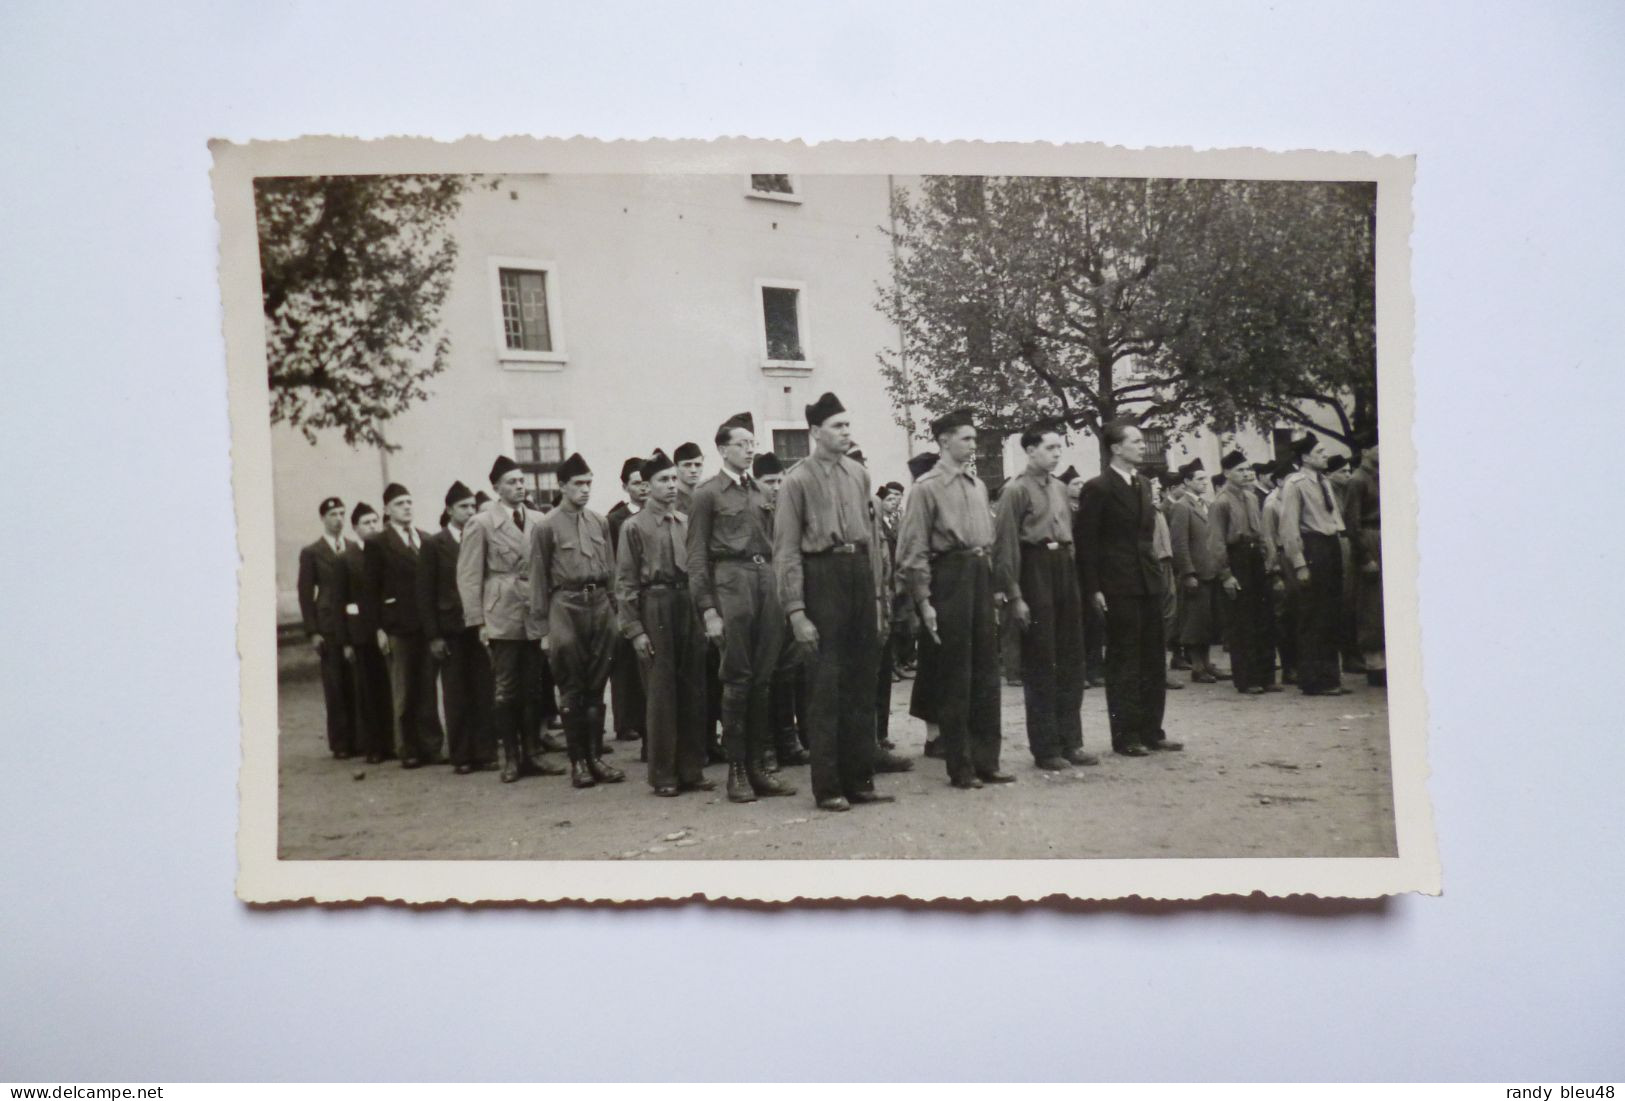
(823,503)
(948,511)
(1234,518)
(1307,505)
(653,551)
(568,549)
(730,520)
(1032,509)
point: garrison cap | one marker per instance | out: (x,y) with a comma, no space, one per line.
(888,489)
(1263,468)
(1336,463)
(361,511)
(766,464)
(919,464)
(457,492)
(328,505)
(857,456)
(573,467)
(1168,479)
(740,420)
(1069,475)
(823,409)
(1191,469)
(481,499)
(1219,480)
(1232,460)
(948,422)
(632,466)
(686,452)
(1306,444)
(655,463)
(501,467)
(394,490)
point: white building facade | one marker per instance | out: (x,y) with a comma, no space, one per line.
(615,314)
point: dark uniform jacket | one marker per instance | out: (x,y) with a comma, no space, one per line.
(321,586)
(1113,534)
(440,606)
(360,617)
(392,580)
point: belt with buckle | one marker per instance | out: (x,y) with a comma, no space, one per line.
(848,548)
(664,585)
(1050,544)
(753,559)
(585,587)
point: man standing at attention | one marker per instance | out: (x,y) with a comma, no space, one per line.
(1236,545)
(730,579)
(1311,539)
(1198,574)
(821,534)
(625,679)
(1035,571)
(570,574)
(657,615)
(392,582)
(1121,577)
(321,606)
(493,578)
(465,667)
(945,553)
(789,690)
(1365,516)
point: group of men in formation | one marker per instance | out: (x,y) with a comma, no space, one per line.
(773,608)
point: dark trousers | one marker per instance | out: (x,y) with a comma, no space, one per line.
(1320,614)
(968,663)
(675,727)
(1052,663)
(752,643)
(1094,641)
(374,709)
(518,672)
(840,600)
(923,701)
(581,638)
(1247,621)
(1136,678)
(1286,619)
(339,692)
(789,699)
(411,682)
(883,683)
(626,691)
(466,687)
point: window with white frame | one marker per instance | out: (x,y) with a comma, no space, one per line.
(782,316)
(539,452)
(791,445)
(777,186)
(526,298)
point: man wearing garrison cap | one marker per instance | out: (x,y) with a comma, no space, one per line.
(822,529)
(625,679)
(1199,613)
(690,462)
(730,579)
(1284,596)
(464,665)
(374,723)
(321,606)
(945,552)
(788,694)
(656,613)
(1363,513)
(493,578)
(571,571)
(1236,545)
(392,582)
(1311,530)
(1034,569)
(924,699)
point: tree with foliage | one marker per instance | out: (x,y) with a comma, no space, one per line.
(1171,303)
(354,271)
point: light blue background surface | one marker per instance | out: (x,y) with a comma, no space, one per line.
(122,952)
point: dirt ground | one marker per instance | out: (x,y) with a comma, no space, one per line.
(1282,775)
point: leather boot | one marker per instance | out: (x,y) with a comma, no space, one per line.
(763,782)
(581,775)
(592,735)
(740,789)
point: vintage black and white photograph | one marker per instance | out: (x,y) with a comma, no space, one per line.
(708,518)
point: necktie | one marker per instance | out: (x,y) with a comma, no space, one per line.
(679,548)
(1325,492)
(519,518)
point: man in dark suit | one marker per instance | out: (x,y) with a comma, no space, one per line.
(392,584)
(454,647)
(1121,577)
(374,721)
(321,606)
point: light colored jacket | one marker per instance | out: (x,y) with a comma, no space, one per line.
(493,573)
